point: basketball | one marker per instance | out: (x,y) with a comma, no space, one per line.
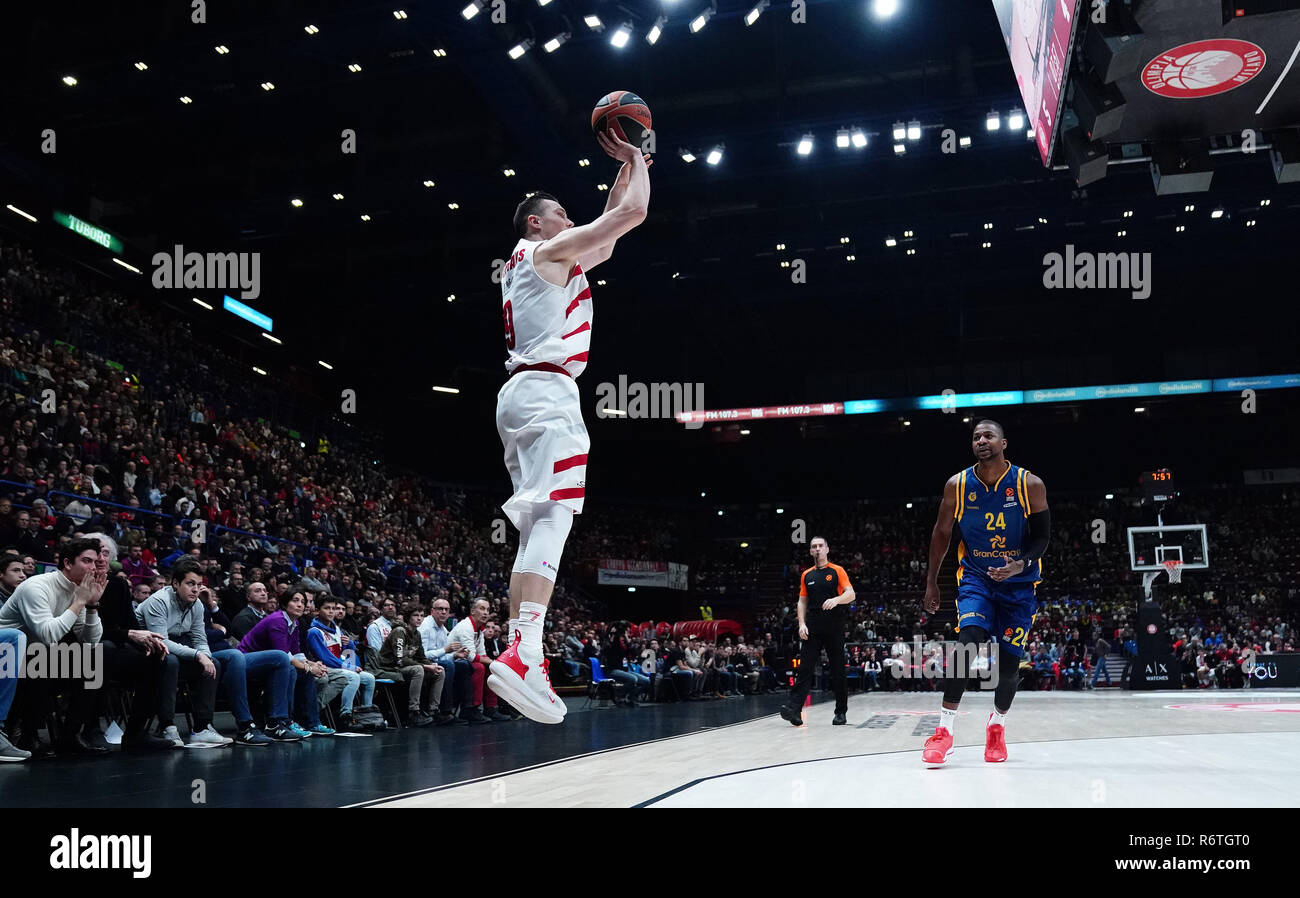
(624,115)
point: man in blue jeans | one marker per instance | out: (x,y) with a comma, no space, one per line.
(453,658)
(237,671)
(1099,668)
(13,649)
(172,614)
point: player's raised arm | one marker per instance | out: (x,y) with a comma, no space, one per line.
(939,539)
(584,240)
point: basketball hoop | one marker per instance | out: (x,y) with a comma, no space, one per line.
(1175,570)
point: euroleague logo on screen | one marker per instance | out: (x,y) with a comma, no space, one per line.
(1203,68)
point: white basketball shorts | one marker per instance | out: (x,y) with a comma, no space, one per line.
(540,424)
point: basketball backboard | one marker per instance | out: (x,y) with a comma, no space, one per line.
(1150,547)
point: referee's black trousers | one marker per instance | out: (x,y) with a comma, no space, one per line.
(833,642)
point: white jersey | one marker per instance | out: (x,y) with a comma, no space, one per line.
(544,322)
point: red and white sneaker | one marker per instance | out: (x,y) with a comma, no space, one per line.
(527,687)
(995,742)
(937,748)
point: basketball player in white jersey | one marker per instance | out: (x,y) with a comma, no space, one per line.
(546,302)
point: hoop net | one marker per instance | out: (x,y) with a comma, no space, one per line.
(1175,570)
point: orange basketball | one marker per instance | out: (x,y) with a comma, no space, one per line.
(622,114)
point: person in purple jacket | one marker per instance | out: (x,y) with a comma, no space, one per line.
(278,631)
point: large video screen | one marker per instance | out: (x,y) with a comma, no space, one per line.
(1038,34)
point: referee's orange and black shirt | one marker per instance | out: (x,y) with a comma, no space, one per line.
(819,584)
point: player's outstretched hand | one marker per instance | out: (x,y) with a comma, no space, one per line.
(618,149)
(931,601)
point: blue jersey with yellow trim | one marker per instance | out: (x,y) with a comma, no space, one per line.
(994,523)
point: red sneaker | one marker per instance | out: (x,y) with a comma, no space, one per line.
(937,748)
(995,743)
(527,687)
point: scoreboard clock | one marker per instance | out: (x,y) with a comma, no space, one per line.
(1158,486)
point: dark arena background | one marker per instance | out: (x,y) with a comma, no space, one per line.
(251,263)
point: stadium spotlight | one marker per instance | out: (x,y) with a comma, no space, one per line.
(520,49)
(594,23)
(914,130)
(556,42)
(1015,120)
(964,143)
(700,21)
(621,36)
(472,10)
(994,121)
(656,29)
(900,131)
(752,16)
(899,149)
(715,155)
(883,9)
(842,138)
(1217,213)
(859,138)
(687,155)
(805,145)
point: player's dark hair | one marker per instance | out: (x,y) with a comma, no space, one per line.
(68,552)
(822,538)
(982,421)
(531,205)
(187,564)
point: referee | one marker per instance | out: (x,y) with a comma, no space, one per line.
(824,596)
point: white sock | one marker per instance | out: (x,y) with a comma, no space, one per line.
(510,630)
(948,721)
(531,621)
(997,719)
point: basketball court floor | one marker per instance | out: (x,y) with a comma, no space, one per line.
(1066,749)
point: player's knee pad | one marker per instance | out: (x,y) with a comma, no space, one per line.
(1008,679)
(551,524)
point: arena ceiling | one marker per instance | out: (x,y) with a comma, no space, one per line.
(698,293)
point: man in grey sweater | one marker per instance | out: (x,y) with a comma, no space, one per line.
(175,614)
(61,607)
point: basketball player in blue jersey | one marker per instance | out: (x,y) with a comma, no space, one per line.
(1001,509)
